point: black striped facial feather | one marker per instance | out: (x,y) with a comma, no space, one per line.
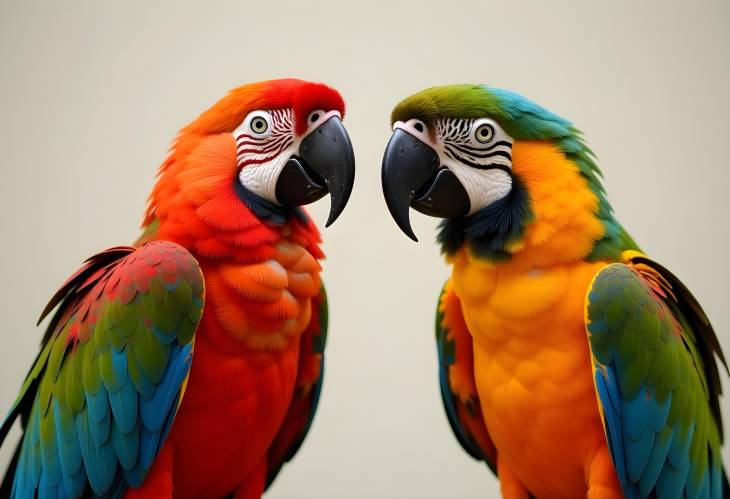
(263,135)
(479,153)
(479,143)
(283,164)
(265,141)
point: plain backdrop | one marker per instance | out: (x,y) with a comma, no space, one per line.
(91,93)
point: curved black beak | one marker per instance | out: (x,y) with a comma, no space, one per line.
(326,164)
(413,177)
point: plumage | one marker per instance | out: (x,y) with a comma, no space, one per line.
(100,429)
(642,413)
(192,362)
(569,362)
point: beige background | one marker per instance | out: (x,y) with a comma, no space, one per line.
(92,93)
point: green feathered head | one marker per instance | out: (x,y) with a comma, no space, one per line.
(520,118)
(451,156)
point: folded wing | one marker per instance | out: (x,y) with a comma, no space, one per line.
(657,380)
(456,380)
(99,400)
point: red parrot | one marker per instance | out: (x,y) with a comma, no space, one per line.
(191,364)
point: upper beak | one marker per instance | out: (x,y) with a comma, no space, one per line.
(326,163)
(413,177)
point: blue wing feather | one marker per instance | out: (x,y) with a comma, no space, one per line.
(123,403)
(654,418)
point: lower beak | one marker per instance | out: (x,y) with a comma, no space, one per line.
(325,164)
(413,177)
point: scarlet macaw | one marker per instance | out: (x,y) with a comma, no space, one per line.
(220,300)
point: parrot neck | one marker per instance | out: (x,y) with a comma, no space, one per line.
(256,243)
(556,213)
(199,203)
(259,260)
(264,209)
(491,231)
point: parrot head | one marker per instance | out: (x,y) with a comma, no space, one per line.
(257,155)
(505,174)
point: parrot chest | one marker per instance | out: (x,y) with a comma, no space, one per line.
(244,368)
(533,371)
(232,409)
(262,305)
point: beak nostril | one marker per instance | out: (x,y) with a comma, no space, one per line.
(315,116)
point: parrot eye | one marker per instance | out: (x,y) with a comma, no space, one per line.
(259,123)
(484,133)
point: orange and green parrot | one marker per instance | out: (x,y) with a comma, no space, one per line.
(191,363)
(569,361)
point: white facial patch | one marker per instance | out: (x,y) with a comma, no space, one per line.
(261,179)
(484,187)
(265,141)
(479,153)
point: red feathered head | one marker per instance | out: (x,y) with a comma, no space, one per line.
(302,97)
(238,173)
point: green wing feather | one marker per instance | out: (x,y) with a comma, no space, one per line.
(99,400)
(657,381)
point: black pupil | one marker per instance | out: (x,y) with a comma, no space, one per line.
(418,126)
(258,124)
(315,116)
